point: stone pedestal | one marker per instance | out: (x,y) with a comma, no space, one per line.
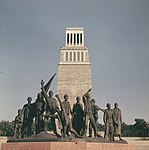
(66,146)
(47,141)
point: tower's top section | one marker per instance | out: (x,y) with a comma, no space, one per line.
(74,51)
(74,37)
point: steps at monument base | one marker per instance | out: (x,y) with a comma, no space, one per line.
(66,146)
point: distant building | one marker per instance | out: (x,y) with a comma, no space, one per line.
(74,69)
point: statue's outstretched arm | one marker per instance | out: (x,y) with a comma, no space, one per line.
(87,92)
(44,92)
(103,110)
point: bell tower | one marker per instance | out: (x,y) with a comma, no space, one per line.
(74,68)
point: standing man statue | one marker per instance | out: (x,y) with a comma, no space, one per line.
(117,121)
(77,113)
(25,111)
(108,120)
(66,105)
(18,125)
(95,110)
(39,110)
(88,112)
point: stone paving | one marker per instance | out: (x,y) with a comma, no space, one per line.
(141,144)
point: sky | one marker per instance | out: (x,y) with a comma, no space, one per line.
(116,32)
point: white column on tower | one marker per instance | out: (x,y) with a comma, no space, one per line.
(73,39)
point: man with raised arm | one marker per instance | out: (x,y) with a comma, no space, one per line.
(88,112)
(51,109)
(95,109)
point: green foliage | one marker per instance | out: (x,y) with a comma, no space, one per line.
(139,129)
(6,128)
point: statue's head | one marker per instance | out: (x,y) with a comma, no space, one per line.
(50,93)
(93,100)
(108,105)
(115,105)
(39,95)
(29,99)
(19,111)
(88,96)
(78,99)
(66,96)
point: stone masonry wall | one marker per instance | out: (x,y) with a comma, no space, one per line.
(73,80)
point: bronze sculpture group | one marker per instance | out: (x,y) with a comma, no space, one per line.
(73,122)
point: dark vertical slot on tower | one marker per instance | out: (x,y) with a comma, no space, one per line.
(70,56)
(77,38)
(78,56)
(82,56)
(81,38)
(74,56)
(66,56)
(71,39)
(67,38)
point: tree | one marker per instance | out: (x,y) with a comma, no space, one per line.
(139,128)
(6,128)
(147,126)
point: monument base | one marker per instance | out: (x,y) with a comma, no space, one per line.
(66,146)
(46,141)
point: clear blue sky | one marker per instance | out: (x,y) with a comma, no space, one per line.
(116,32)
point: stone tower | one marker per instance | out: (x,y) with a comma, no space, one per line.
(74,69)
